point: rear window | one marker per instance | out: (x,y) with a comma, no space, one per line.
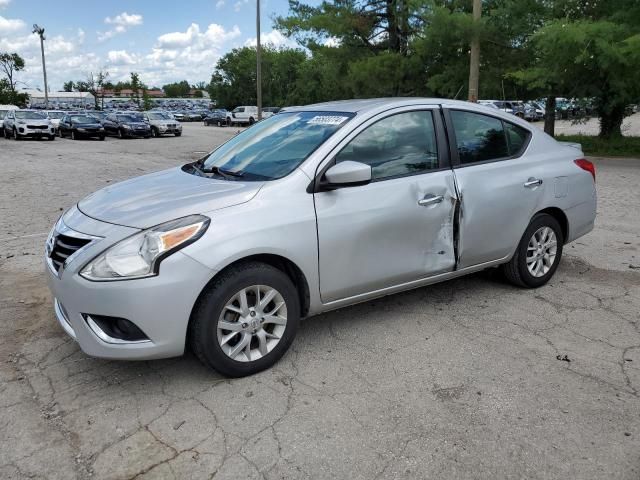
(517,138)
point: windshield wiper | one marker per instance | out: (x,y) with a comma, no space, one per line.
(223,172)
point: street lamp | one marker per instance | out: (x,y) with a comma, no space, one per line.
(258,66)
(40,32)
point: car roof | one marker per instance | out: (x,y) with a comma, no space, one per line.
(364,105)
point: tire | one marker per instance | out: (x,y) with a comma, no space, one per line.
(219,123)
(120,134)
(74,136)
(251,121)
(178,134)
(60,134)
(155,132)
(16,137)
(101,138)
(517,270)
(52,137)
(205,336)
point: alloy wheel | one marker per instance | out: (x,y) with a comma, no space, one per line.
(252,323)
(541,251)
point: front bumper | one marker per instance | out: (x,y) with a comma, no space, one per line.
(90,132)
(160,306)
(26,131)
(134,132)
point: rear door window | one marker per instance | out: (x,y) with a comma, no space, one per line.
(479,138)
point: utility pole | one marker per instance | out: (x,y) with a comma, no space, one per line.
(474,64)
(40,31)
(258,62)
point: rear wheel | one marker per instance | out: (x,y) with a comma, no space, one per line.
(245,320)
(538,253)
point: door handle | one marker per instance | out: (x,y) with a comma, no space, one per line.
(430,199)
(533,182)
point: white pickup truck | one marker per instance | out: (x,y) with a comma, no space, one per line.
(246,115)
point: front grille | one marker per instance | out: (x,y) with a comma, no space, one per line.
(63,247)
(38,127)
(171,125)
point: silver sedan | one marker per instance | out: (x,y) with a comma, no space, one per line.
(313,209)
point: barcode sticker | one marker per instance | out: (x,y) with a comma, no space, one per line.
(327,120)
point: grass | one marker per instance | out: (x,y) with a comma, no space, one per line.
(599,147)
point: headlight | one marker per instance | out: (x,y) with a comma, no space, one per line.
(126,126)
(102,129)
(140,255)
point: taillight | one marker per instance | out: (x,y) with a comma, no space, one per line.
(585,164)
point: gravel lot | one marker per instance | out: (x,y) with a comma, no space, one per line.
(457,380)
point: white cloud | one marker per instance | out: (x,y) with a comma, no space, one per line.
(239,4)
(219,4)
(4,3)
(122,57)
(121,23)
(10,25)
(273,38)
(125,20)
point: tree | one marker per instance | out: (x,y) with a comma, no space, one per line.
(234,80)
(177,89)
(68,86)
(8,96)
(10,63)
(136,86)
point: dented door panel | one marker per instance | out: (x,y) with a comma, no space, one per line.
(383,234)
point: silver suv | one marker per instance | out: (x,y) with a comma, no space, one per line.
(21,124)
(313,209)
(162,124)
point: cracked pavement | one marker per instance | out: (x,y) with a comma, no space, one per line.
(465,379)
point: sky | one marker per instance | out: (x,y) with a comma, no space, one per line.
(163,41)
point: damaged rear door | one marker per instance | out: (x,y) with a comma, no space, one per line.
(400,227)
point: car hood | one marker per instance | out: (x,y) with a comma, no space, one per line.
(152,199)
(88,125)
(135,124)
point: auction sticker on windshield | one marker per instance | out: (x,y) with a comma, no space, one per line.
(327,120)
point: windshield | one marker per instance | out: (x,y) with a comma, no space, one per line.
(82,119)
(158,116)
(56,115)
(30,115)
(275,147)
(128,118)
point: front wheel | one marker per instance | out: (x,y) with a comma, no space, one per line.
(155,132)
(538,254)
(74,136)
(101,138)
(245,320)
(178,134)
(120,133)
(16,137)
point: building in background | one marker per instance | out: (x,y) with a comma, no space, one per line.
(60,99)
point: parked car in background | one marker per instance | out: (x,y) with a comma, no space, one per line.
(514,107)
(98,114)
(245,115)
(4,109)
(217,117)
(28,124)
(269,111)
(162,124)
(79,126)
(180,116)
(55,116)
(126,125)
(380,198)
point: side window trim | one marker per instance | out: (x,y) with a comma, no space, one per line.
(455,158)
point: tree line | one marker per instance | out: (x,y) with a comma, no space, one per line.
(374,48)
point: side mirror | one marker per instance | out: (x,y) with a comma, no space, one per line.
(346,174)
